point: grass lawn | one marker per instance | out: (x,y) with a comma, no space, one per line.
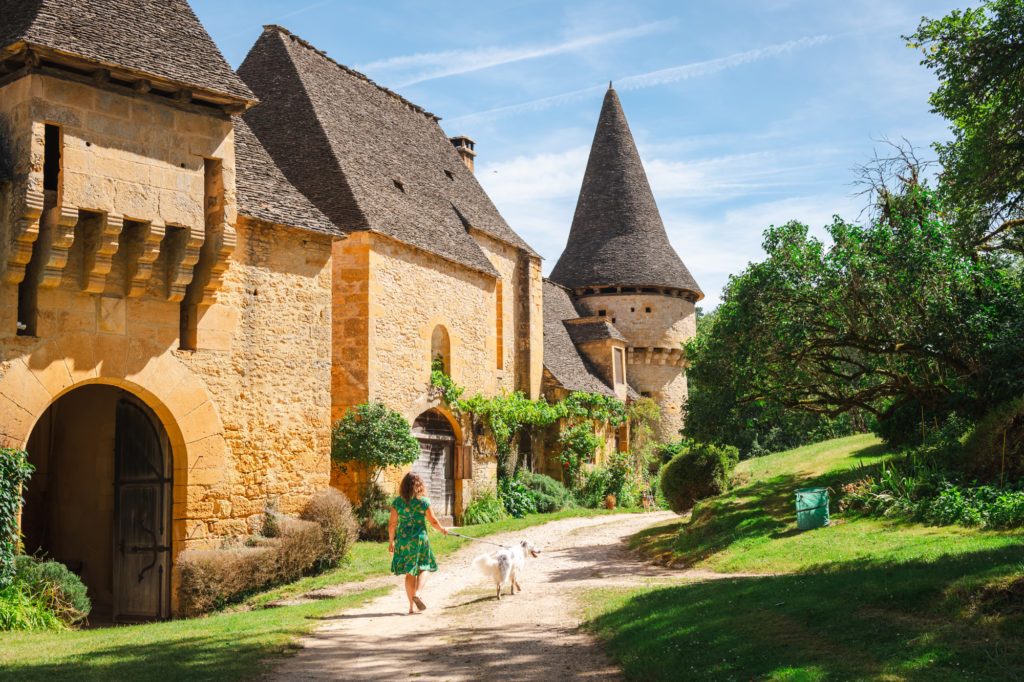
(225,646)
(861,599)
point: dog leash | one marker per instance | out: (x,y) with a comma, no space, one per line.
(451,532)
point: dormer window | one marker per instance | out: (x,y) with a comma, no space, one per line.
(451,176)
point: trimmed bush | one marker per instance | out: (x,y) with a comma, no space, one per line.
(333,512)
(700,470)
(213,578)
(484,508)
(549,494)
(62,591)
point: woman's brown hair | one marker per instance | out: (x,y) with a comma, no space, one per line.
(412,486)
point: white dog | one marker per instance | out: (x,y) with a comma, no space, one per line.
(505,565)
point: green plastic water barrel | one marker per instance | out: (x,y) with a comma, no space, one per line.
(811,508)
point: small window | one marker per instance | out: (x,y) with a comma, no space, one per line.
(613,320)
(645,394)
(451,176)
(632,310)
(647,310)
(602,313)
(51,157)
(399,185)
(618,369)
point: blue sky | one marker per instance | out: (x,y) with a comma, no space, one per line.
(746,113)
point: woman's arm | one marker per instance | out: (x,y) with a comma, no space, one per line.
(391,530)
(434,522)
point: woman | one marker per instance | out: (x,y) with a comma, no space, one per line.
(412,554)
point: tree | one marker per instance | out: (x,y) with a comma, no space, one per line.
(374,436)
(898,310)
(978,57)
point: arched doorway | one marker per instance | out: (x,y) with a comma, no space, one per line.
(100,499)
(435,463)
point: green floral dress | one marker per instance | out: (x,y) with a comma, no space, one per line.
(412,547)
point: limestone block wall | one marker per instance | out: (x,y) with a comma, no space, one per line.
(265,356)
(666,385)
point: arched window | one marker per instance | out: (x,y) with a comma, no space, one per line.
(440,347)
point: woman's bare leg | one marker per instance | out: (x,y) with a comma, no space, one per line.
(421,580)
(410,590)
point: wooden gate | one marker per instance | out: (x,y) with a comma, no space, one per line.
(141,517)
(435,465)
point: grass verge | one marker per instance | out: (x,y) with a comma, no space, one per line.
(223,646)
(863,598)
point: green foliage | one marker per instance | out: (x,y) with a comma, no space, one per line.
(624,480)
(62,591)
(373,514)
(439,379)
(699,471)
(23,609)
(15,471)
(592,491)
(550,495)
(994,450)
(576,447)
(644,414)
(485,507)
(375,437)
(978,57)
(518,498)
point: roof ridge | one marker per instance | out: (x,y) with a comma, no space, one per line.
(352,72)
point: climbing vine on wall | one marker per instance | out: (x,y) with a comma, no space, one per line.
(507,414)
(15,470)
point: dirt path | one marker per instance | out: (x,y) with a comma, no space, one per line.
(465,634)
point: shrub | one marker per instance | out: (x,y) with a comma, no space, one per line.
(549,494)
(333,512)
(213,578)
(20,609)
(15,470)
(624,480)
(577,445)
(61,590)
(996,446)
(591,494)
(484,508)
(518,499)
(373,514)
(701,470)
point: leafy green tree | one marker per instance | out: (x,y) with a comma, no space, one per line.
(375,437)
(895,311)
(978,57)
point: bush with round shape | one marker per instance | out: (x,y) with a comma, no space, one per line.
(333,512)
(63,592)
(699,471)
(519,500)
(549,494)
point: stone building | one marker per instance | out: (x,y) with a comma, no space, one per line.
(165,297)
(630,292)
(429,268)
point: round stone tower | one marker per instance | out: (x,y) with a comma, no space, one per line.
(619,264)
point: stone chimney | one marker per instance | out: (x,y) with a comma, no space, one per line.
(464,146)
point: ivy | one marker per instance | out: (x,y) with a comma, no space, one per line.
(507,414)
(15,470)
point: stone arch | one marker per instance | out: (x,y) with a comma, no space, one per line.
(48,370)
(436,432)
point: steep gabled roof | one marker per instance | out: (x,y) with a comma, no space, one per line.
(366,157)
(617,237)
(265,194)
(561,357)
(161,38)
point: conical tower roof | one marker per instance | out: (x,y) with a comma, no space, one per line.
(617,237)
(161,38)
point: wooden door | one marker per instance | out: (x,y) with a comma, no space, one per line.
(141,517)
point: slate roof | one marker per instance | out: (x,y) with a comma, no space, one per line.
(265,194)
(617,237)
(160,38)
(561,357)
(590,329)
(365,156)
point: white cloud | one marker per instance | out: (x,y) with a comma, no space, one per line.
(417,68)
(654,78)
